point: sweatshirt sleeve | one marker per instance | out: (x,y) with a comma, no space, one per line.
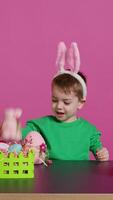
(95,143)
(30,126)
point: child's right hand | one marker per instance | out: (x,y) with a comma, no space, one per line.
(10,129)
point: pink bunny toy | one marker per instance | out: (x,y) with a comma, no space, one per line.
(10,128)
(36,142)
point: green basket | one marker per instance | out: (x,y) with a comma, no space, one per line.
(17,167)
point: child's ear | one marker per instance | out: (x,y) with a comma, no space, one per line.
(81,104)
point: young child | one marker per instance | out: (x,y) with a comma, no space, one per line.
(67,136)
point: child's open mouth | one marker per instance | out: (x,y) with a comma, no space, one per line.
(60,114)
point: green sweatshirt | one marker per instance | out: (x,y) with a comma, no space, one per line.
(66,141)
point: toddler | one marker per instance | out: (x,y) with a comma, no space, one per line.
(67,136)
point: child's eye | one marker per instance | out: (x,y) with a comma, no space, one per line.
(67,103)
(53,100)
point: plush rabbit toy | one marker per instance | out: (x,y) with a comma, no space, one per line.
(10,130)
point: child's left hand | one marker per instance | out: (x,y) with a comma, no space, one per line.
(102,154)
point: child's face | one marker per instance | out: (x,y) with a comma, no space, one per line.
(64,105)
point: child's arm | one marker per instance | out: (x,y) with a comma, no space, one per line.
(28,128)
(102,154)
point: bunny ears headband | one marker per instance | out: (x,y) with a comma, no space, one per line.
(68,62)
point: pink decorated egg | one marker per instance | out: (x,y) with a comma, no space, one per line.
(35,141)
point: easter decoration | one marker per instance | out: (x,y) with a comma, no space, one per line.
(17,156)
(35,142)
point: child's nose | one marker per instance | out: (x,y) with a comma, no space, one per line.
(59,105)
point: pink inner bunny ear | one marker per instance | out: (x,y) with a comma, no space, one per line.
(60,61)
(76,57)
(69,59)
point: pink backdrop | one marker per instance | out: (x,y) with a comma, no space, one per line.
(29,33)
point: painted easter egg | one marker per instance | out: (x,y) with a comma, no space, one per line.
(15,148)
(3,146)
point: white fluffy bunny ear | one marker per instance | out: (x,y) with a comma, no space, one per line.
(76,57)
(60,61)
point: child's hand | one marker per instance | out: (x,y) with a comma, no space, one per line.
(102,154)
